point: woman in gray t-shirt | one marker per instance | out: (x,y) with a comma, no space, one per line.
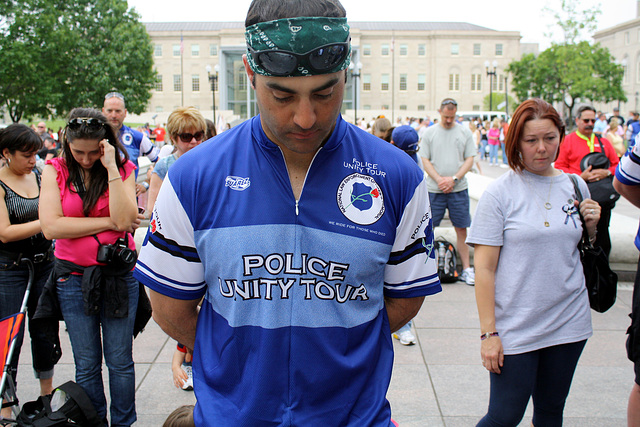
(531,297)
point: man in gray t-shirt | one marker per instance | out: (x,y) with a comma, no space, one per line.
(447,151)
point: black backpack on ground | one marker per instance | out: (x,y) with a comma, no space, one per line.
(77,410)
(447,259)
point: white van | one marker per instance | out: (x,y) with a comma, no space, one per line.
(467,116)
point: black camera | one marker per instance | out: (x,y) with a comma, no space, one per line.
(118,253)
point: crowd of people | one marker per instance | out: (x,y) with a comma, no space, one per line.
(299,238)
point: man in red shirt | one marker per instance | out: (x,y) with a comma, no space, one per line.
(159,132)
(575,146)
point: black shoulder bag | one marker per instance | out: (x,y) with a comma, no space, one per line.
(602,191)
(602,283)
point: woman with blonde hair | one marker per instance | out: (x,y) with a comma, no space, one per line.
(186,128)
(382,128)
(614,137)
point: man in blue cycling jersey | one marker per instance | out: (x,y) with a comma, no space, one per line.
(309,239)
(136,143)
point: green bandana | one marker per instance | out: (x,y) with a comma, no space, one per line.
(304,46)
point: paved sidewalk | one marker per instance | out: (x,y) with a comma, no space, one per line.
(439,382)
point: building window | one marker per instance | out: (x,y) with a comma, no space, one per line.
(475,108)
(627,39)
(213,50)
(499,49)
(403,108)
(638,69)
(159,109)
(157,51)
(455,49)
(384,51)
(195,83)
(403,82)
(625,68)
(422,81)
(177,83)
(176,50)
(421,108)
(501,82)
(366,50)
(385,106)
(454,82)
(404,50)
(366,82)
(476,82)
(158,83)
(242,80)
(422,49)
(367,107)
(477,50)
(195,50)
(385,82)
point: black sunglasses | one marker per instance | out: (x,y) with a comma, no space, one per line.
(589,120)
(282,62)
(187,137)
(89,122)
(413,150)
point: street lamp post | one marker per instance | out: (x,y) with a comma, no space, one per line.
(506,97)
(355,74)
(213,78)
(491,75)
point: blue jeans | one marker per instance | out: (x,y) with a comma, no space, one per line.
(13,284)
(493,154)
(504,154)
(545,375)
(117,333)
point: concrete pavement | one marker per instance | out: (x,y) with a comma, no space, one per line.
(438,382)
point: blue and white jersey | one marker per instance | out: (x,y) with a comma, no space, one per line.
(628,172)
(293,329)
(138,144)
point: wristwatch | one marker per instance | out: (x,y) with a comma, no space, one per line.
(455,179)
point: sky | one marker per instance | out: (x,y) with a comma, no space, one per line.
(516,15)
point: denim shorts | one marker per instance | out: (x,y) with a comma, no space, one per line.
(457,204)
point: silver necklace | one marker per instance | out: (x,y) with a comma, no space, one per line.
(546,206)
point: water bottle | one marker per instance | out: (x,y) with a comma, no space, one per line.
(441,255)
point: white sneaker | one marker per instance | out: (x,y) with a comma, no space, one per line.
(188,383)
(405,337)
(504,166)
(468,276)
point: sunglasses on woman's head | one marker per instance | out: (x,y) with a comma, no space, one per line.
(187,137)
(90,122)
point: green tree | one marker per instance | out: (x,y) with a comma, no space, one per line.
(497,100)
(576,25)
(57,55)
(569,73)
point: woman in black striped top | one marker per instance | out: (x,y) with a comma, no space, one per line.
(20,237)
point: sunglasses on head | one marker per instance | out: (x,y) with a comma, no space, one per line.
(449,102)
(90,122)
(187,137)
(282,62)
(114,95)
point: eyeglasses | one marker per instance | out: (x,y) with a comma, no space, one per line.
(282,62)
(114,95)
(187,137)
(449,102)
(589,120)
(91,122)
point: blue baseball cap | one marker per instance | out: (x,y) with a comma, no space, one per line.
(406,138)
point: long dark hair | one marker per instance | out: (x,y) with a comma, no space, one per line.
(98,175)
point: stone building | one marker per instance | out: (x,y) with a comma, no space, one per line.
(407,68)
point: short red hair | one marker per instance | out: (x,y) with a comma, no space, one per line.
(531,109)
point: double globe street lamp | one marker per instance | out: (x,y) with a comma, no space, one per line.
(491,75)
(213,79)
